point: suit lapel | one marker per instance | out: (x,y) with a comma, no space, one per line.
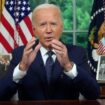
(38,67)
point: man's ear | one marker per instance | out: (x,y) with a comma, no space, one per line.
(34,31)
(33,28)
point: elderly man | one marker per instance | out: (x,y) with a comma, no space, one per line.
(52,70)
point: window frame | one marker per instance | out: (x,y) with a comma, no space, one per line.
(74,31)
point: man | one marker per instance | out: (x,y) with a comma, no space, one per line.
(27,73)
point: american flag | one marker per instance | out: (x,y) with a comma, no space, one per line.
(16,25)
(101,47)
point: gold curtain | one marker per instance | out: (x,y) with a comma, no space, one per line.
(1,7)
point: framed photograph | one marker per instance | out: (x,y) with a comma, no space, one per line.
(4,63)
(100,76)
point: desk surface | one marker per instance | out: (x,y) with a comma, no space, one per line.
(59,102)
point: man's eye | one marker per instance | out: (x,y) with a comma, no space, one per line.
(54,23)
(42,24)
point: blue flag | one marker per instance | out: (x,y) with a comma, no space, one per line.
(95,33)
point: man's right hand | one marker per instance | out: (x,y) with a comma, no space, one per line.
(29,55)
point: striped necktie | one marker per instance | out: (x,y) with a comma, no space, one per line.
(49,65)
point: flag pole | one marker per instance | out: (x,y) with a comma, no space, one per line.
(16,36)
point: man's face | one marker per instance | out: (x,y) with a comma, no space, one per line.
(48,26)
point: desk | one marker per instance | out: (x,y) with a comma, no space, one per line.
(102,90)
(57,102)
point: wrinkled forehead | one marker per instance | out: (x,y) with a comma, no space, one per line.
(45,8)
(47,12)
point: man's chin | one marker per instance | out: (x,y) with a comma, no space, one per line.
(48,46)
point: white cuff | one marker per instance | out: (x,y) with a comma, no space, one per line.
(73,72)
(18,74)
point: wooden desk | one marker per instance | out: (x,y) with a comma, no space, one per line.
(102,90)
(59,102)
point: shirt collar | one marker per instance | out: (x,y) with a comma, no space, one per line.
(43,51)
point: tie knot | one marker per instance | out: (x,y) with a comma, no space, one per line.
(50,53)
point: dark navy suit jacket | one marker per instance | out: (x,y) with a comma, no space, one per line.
(34,85)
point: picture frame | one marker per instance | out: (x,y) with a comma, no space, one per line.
(100,75)
(4,63)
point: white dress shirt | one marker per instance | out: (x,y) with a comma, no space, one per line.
(19,74)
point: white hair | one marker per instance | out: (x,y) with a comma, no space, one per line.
(43,6)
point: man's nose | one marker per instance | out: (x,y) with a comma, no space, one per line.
(48,28)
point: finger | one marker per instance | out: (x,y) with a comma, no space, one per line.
(30,44)
(27,52)
(58,52)
(57,42)
(37,48)
(57,45)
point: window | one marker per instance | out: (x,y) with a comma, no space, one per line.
(76,14)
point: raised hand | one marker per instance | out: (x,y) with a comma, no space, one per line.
(62,54)
(29,54)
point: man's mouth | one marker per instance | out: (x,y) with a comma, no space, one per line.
(49,39)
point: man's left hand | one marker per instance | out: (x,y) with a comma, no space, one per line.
(62,55)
